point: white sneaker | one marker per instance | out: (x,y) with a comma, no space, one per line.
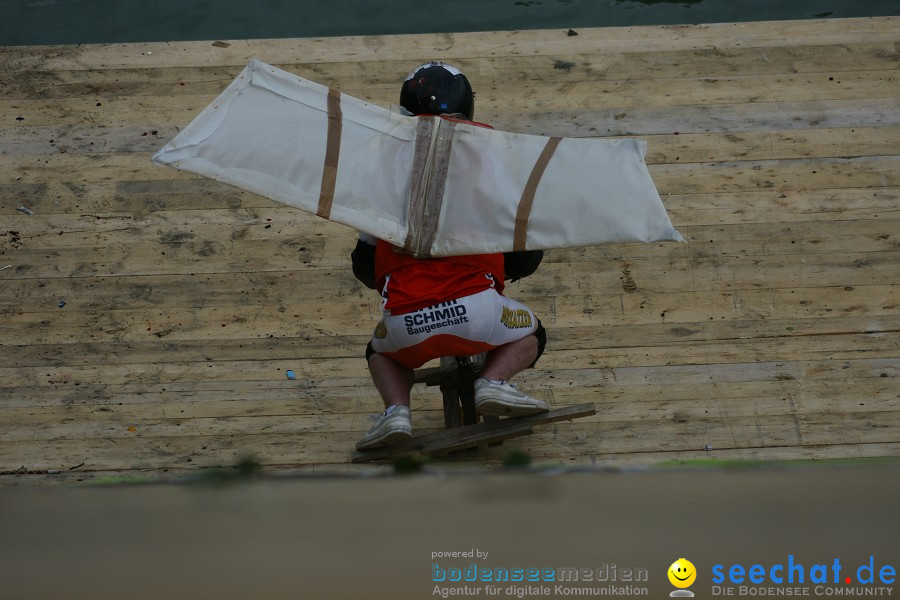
(504,400)
(390,428)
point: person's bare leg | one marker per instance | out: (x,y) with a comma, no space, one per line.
(495,397)
(392,380)
(504,362)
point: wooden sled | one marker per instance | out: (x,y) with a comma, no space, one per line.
(456,377)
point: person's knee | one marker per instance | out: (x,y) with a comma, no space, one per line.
(541,334)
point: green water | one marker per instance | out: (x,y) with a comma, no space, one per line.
(101,21)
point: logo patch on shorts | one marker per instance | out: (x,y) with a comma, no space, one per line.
(380,331)
(426,320)
(516,318)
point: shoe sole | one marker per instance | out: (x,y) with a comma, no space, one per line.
(387,439)
(494,407)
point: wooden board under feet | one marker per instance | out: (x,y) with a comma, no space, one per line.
(470,436)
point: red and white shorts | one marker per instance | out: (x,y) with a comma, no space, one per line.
(463,327)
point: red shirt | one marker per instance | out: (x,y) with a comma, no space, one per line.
(407,283)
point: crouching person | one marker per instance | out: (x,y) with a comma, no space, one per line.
(449,306)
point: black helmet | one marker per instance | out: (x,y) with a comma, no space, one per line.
(436,88)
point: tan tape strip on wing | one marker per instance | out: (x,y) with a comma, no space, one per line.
(332,154)
(418,183)
(437,180)
(527,201)
(431,161)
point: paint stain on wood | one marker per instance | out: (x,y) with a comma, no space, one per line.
(628,283)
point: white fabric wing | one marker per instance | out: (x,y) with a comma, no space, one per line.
(434,186)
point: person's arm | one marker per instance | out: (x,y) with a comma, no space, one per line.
(363,260)
(521,264)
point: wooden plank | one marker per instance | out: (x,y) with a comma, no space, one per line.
(35,313)
(39,184)
(53,325)
(743,414)
(311,237)
(142,198)
(620,437)
(474,435)
(621,117)
(789,205)
(798,359)
(810,338)
(179,252)
(556,68)
(438,443)
(25,477)
(590,91)
(282,411)
(745,437)
(562,441)
(196,259)
(726,118)
(324,406)
(448,46)
(297,239)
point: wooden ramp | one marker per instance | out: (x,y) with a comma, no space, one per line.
(149,317)
(472,437)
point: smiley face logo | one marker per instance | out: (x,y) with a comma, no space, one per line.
(682,573)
